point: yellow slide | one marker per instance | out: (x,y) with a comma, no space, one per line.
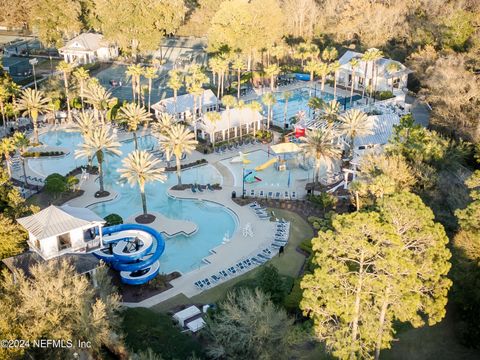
(266,165)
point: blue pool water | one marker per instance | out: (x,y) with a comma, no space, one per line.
(182,253)
(271,178)
(299,102)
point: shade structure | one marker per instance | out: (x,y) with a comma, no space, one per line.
(186,314)
(196,325)
(285,148)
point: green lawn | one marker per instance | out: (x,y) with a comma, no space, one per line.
(290,264)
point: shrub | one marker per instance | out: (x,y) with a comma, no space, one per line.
(292,300)
(113,219)
(271,283)
(55,184)
(383,95)
(324,200)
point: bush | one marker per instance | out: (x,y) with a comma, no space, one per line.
(383,95)
(292,300)
(56,184)
(113,219)
(324,200)
(271,283)
(264,135)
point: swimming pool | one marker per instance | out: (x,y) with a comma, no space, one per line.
(298,172)
(182,253)
(299,102)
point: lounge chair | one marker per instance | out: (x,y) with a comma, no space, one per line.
(193,189)
(210,188)
(232,270)
(267,251)
(215,278)
(253,205)
(217,150)
(277,195)
(286,195)
(270,195)
(252,193)
(263,256)
(240,266)
(258,260)
(278,244)
(223,273)
(261,193)
(294,195)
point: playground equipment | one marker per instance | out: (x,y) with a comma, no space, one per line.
(266,164)
(249,177)
(133,250)
(242,158)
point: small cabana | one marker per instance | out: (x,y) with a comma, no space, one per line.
(56,231)
(186,314)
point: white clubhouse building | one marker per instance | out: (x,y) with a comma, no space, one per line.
(88,48)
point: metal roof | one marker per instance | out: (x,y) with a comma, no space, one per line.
(85,42)
(55,220)
(184,102)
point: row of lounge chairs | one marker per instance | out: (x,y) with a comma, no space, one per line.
(282,233)
(32,178)
(243,265)
(277,195)
(260,211)
(235,146)
(198,188)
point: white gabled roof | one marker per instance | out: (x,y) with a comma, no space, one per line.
(236,117)
(85,42)
(55,220)
(381,65)
(184,102)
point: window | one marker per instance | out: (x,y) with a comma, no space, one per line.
(64,241)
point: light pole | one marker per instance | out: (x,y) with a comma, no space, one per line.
(34,62)
(243,183)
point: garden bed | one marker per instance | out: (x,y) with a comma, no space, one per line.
(36,154)
(189,186)
(189,165)
(137,293)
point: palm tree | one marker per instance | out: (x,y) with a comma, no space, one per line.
(366,58)
(84,123)
(22,143)
(215,67)
(238,64)
(99,143)
(175,82)
(213,117)
(323,71)
(240,106)
(224,69)
(355,123)
(7,146)
(133,115)
(66,69)
(228,101)
(135,72)
(4,96)
(139,168)
(255,106)
(272,71)
(165,121)
(315,103)
(392,68)
(334,67)
(195,80)
(375,55)
(100,99)
(354,63)
(177,141)
(82,76)
(312,67)
(33,103)
(331,110)
(302,52)
(269,100)
(329,54)
(319,144)
(150,74)
(287,95)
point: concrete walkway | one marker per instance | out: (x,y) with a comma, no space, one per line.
(223,256)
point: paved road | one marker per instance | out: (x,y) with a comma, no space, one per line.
(420,111)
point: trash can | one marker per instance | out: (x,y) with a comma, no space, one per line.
(234,194)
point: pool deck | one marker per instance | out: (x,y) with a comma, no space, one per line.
(167,226)
(225,255)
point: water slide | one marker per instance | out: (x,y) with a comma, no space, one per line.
(132,249)
(266,165)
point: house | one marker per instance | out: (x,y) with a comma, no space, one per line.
(231,121)
(56,231)
(390,74)
(182,108)
(88,48)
